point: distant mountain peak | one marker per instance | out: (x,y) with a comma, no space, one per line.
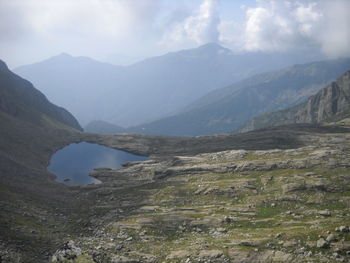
(211,45)
(213,48)
(65,55)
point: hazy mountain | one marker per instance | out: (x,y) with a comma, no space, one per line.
(228,109)
(103,127)
(21,100)
(148,90)
(121,60)
(77,83)
(330,103)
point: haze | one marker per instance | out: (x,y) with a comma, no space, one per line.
(125,31)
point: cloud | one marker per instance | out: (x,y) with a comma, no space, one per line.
(292,25)
(110,18)
(200,27)
(334,34)
(82,27)
(13,23)
(31,30)
(280,26)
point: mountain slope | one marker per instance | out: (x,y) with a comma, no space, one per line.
(331,102)
(227,109)
(33,206)
(103,127)
(148,90)
(20,99)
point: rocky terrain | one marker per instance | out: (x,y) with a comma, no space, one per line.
(330,104)
(288,204)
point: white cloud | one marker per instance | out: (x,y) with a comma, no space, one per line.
(81,27)
(334,34)
(112,18)
(198,28)
(292,25)
(31,30)
(280,26)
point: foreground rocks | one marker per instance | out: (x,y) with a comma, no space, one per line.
(266,196)
(274,205)
(68,252)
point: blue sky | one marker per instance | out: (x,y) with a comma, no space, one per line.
(32,30)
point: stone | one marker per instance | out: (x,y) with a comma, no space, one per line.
(321,243)
(343,229)
(291,243)
(122,259)
(221,230)
(211,254)
(69,251)
(228,219)
(179,254)
(331,238)
(325,213)
(278,235)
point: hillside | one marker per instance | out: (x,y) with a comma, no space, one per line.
(103,127)
(147,90)
(20,99)
(329,104)
(33,206)
(228,109)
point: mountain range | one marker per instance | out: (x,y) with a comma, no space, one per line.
(230,108)
(148,90)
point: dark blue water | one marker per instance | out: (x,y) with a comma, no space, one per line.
(73,163)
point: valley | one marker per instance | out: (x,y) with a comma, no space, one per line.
(228,197)
(161,131)
(278,191)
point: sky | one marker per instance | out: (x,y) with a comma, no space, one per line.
(33,30)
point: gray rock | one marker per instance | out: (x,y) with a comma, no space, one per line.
(325,213)
(122,259)
(321,243)
(331,238)
(344,229)
(211,254)
(67,252)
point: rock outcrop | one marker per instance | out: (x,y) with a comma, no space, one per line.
(330,103)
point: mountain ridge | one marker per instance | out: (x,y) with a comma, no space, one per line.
(331,102)
(19,98)
(148,90)
(229,108)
